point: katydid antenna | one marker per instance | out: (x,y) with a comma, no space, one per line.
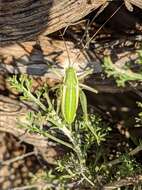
(87,43)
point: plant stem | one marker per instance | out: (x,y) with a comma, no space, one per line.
(34,99)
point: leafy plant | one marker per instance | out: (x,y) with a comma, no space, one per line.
(87,132)
(121,75)
(78,143)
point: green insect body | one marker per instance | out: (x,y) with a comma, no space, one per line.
(71,91)
(70,95)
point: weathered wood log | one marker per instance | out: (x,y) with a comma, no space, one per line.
(129,4)
(22,20)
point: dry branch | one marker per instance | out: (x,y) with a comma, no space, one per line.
(124,182)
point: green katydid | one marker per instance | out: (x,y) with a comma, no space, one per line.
(70,92)
(71,89)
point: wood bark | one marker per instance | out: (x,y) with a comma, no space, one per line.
(22,20)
